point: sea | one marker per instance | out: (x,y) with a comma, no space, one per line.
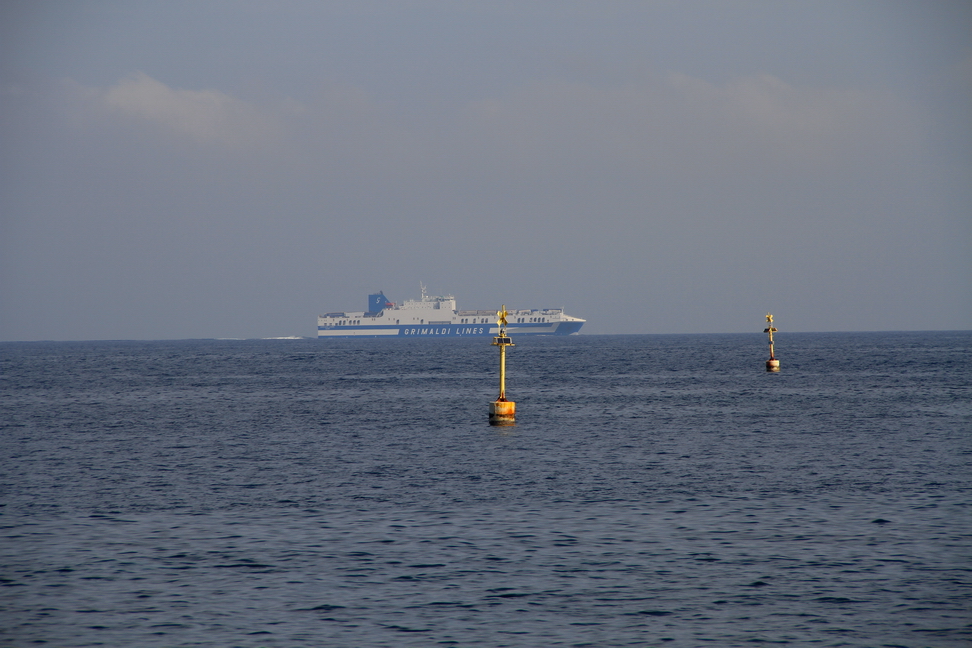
(656,490)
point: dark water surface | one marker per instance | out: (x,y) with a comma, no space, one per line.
(656,491)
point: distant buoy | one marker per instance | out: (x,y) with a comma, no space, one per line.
(772,365)
(502,411)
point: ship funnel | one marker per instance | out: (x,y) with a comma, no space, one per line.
(378,302)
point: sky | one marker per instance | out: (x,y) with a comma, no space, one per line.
(231,169)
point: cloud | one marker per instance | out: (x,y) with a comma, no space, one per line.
(658,125)
(687,124)
(814,126)
(204,115)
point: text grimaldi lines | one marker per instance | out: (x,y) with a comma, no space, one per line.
(445,330)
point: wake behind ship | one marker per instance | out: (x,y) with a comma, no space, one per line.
(438,317)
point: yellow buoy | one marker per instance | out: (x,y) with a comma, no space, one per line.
(502,411)
(772,364)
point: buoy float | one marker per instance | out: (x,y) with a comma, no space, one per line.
(772,365)
(502,411)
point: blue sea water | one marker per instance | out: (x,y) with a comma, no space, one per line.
(655,491)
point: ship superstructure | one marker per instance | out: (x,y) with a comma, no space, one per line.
(437,316)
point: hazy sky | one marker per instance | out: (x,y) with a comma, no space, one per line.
(233,168)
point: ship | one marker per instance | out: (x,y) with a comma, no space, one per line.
(437,316)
